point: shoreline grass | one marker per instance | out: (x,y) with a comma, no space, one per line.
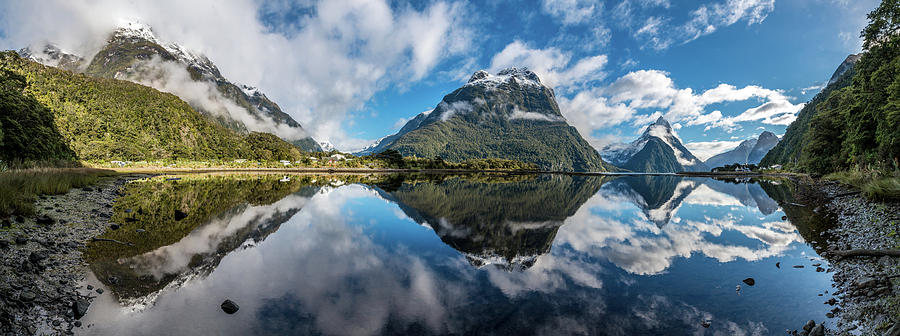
(874,184)
(21,187)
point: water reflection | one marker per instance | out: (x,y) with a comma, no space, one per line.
(362,255)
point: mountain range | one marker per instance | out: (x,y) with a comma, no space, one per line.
(508,115)
(748,152)
(133,52)
(657,150)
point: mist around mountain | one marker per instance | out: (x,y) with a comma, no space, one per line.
(657,150)
(133,52)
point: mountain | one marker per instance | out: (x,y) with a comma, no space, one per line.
(54,114)
(748,152)
(657,150)
(510,115)
(384,142)
(134,53)
(787,152)
(658,197)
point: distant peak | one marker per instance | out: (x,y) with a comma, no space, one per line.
(135,29)
(479,75)
(522,75)
(662,122)
(768,135)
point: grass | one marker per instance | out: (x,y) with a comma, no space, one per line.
(21,187)
(874,184)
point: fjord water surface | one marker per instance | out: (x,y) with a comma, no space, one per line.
(478,254)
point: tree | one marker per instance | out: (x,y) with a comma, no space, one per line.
(884,23)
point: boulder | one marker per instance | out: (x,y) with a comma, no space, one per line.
(229,307)
(80,307)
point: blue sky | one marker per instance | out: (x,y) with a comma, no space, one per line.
(352,70)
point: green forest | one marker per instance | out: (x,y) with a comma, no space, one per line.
(53,114)
(854,126)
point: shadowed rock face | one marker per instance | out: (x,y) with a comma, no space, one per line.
(501,222)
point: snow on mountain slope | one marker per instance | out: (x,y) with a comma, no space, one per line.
(620,154)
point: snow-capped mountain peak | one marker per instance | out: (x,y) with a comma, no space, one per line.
(522,76)
(326,146)
(136,29)
(619,154)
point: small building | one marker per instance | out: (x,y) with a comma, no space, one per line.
(337,157)
(285,162)
(313,158)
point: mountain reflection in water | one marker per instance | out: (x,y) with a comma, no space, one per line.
(479,254)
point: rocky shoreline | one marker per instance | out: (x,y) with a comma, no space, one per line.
(868,288)
(41,262)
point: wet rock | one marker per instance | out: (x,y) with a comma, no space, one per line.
(113,280)
(705,324)
(229,307)
(818,330)
(80,307)
(114,226)
(819,269)
(99,290)
(829,315)
(809,325)
(44,220)
(778,264)
(77,324)
(38,256)
(894,331)
(90,287)
(179,215)
(783,217)
(749,281)
(27,296)
(798,266)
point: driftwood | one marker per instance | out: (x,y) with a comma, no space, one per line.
(866,253)
(113,241)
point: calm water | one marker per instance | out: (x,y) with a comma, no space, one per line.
(403,254)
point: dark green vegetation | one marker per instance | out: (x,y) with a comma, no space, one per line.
(855,122)
(105,119)
(27,129)
(736,167)
(21,187)
(515,119)
(391,158)
(515,218)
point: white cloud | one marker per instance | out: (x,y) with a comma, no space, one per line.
(552,65)
(319,69)
(641,96)
(572,11)
(659,32)
(705,150)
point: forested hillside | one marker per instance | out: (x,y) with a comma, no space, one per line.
(51,113)
(856,126)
